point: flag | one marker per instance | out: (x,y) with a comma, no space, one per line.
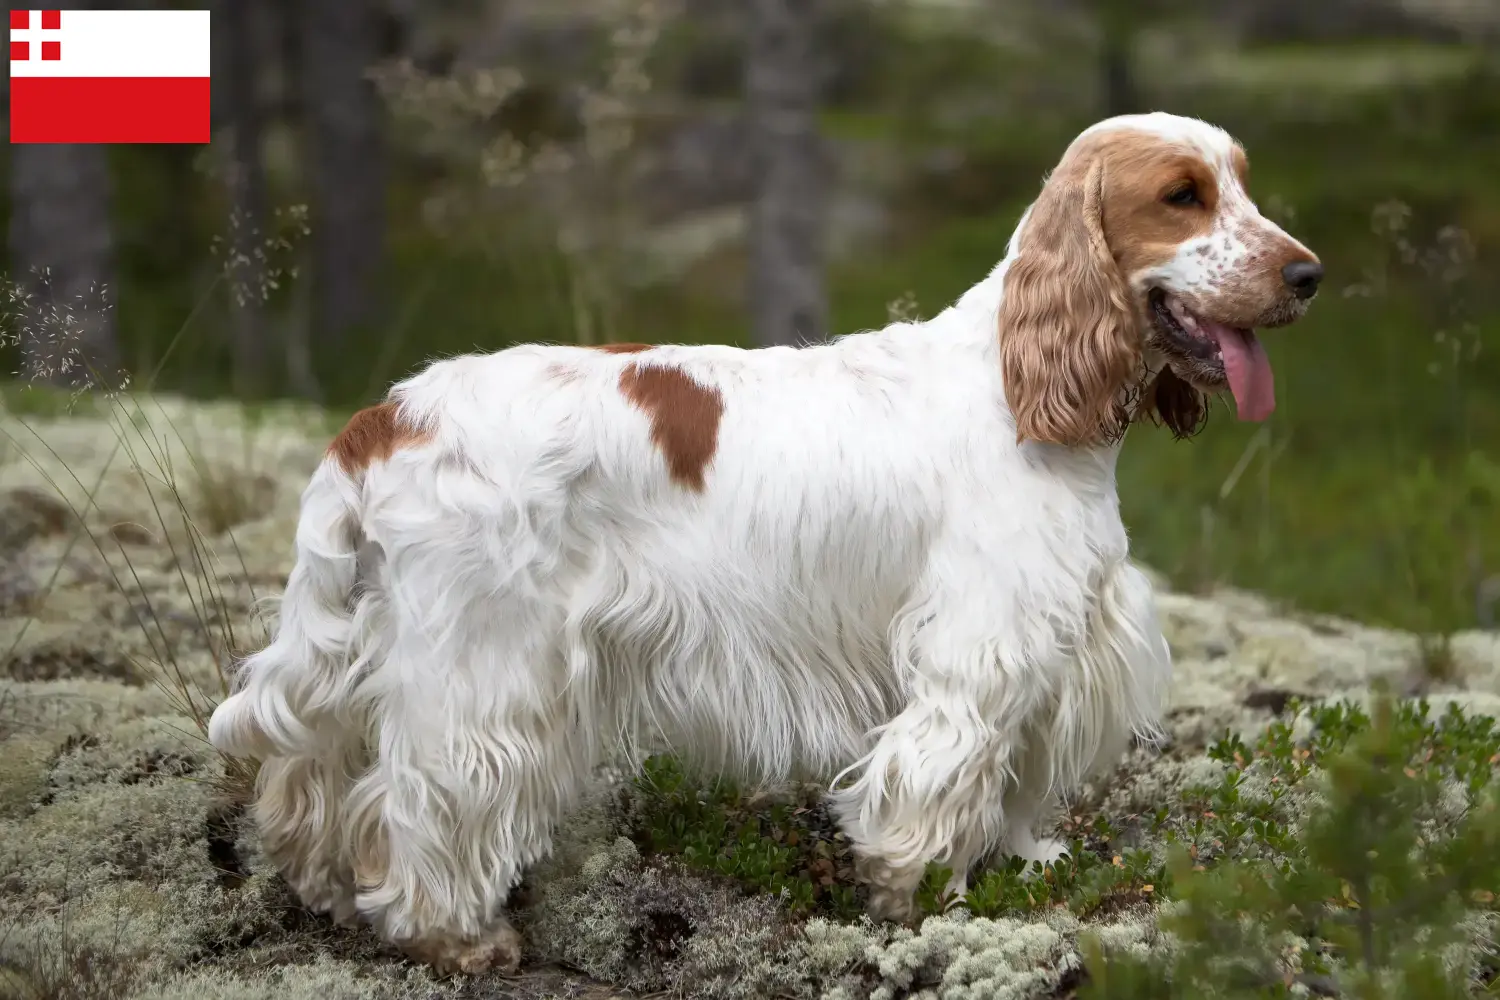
(109,76)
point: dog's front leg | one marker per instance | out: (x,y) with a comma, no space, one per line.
(1110,691)
(933,786)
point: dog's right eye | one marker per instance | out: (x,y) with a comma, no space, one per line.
(1183,195)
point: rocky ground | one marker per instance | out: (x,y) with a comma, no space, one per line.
(126,870)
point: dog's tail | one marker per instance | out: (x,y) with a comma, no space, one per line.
(283,691)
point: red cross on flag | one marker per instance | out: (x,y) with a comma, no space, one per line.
(109,76)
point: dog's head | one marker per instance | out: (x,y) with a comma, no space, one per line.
(1144,260)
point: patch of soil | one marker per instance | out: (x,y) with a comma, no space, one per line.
(541,982)
(78,741)
(52,663)
(1273,700)
(18,590)
(73,744)
(1119,903)
(27,514)
(1072,981)
(659,935)
(294,935)
(158,764)
(221,830)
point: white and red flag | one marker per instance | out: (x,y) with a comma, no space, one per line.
(109,76)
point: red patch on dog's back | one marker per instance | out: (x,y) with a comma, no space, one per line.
(684,418)
(373,435)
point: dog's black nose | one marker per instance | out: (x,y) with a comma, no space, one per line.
(1302,277)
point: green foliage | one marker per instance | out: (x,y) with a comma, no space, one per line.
(1084,882)
(38,400)
(790,848)
(793,849)
(1348,848)
(1359,859)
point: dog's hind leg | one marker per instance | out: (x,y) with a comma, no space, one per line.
(481,746)
(299,810)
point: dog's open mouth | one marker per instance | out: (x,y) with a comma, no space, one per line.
(1219,352)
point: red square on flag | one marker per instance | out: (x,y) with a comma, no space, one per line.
(110,76)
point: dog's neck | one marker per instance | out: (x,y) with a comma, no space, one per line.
(976,315)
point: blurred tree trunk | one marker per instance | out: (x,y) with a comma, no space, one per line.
(1119,86)
(62,259)
(340,44)
(283,25)
(1118,20)
(245,178)
(788,303)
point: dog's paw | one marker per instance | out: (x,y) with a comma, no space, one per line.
(325,891)
(497,950)
(892,889)
(1046,850)
(889,903)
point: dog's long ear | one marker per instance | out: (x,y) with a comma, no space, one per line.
(1068,341)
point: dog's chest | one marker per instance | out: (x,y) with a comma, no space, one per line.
(1065,578)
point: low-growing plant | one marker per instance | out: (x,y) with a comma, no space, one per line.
(793,849)
(1359,860)
(1084,882)
(189,506)
(789,848)
(1348,850)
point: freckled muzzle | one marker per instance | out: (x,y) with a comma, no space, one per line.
(1210,340)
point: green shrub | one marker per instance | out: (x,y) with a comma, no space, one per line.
(1361,859)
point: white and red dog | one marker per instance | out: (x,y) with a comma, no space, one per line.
(897,558)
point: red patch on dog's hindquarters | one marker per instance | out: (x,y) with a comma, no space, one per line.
(684,418)
(373,435)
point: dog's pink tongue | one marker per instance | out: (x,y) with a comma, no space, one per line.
(1249,371)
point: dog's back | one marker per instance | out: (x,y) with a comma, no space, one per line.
(715,546)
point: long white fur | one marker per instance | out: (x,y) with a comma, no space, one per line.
(876,581)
